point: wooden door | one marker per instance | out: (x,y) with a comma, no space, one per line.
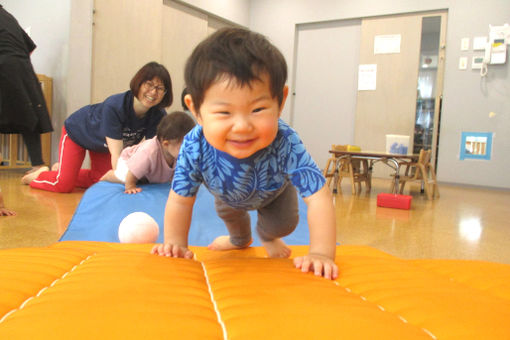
(126,36)
(391,107)
(324,96)
(183,29)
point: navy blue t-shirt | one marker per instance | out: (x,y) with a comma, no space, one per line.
(114,118)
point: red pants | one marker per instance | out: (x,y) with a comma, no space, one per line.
(70,174)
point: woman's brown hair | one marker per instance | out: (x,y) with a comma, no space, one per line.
(148,72)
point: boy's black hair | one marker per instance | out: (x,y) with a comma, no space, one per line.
(174,126)
(148,72)
(238,54)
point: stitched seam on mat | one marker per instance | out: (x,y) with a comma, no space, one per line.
(24,303)
(429,333)
(218,315)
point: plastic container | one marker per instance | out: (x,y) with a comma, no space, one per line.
(397,144)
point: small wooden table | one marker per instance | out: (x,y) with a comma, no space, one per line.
(390,159)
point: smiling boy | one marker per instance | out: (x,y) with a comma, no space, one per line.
(246,156)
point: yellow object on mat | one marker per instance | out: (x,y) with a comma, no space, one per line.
(93,290)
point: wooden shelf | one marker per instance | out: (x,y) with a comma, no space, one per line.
(13,152)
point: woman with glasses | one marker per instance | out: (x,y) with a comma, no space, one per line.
(106,128)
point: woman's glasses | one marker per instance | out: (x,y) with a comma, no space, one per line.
(149,85)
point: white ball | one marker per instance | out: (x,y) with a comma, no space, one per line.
(138,227)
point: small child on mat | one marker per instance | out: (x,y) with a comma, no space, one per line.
(246,156)
(152,160)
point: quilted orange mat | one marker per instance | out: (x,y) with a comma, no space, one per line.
(93,290)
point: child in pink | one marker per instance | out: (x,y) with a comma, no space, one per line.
(152,160)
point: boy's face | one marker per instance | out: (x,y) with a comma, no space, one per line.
(239,120)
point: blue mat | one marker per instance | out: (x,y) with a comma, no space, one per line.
(104,205)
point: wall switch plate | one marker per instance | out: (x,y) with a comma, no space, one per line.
(463,63)
(477,62)
(479,43)
(464,44)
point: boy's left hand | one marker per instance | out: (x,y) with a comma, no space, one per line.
(320,265)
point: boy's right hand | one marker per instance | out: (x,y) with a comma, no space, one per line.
(172,250)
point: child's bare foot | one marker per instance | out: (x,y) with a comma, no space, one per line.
(223,243)
(276,248)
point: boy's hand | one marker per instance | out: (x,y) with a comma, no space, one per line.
(172,250)
(321,265)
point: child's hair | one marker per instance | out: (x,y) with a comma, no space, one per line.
(148,72)
(174,126)
(234,53)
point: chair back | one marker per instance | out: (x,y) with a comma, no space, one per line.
(424,161)
(338,147)
(424,157)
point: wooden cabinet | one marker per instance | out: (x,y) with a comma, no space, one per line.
(12,148)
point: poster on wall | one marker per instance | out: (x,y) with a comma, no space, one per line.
(385,44)
(367,77)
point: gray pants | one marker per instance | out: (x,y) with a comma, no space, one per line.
(276,219)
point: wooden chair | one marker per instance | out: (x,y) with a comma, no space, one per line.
(421,171)
(347,167)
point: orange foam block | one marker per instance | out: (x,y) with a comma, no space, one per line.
(91,290)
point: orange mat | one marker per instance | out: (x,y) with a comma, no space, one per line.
(93,290)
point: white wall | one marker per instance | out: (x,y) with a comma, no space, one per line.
(236,11)
(467,99)
(467,102)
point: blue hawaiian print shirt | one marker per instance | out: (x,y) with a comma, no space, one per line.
(250,182)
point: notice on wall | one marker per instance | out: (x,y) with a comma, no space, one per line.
(385,44)
(367,77)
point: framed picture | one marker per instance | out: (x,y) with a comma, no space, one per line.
(476,145)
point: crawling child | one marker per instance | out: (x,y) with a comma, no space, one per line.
(246,156)
(152,160)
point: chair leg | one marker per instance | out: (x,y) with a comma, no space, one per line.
(435,187)
(351,175)
(402,185)
(339,183)
(392,187)
(366,176)
(328,181)
(425,180)
(427,190)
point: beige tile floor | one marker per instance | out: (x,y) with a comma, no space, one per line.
(464,223)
